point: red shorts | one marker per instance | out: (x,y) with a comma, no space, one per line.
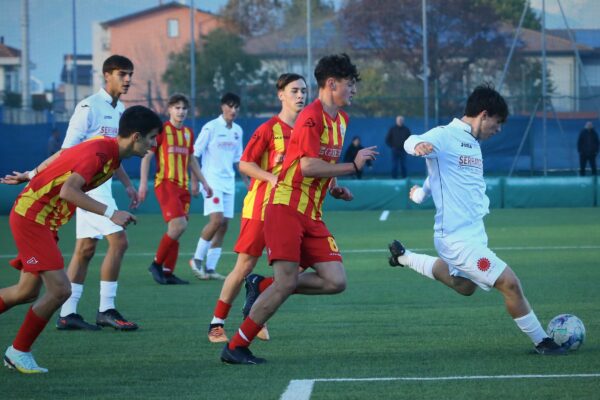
(252,238)
(292,236)
(174,201)
(37,246)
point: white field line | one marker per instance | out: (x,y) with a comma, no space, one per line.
(366,251)
(384,215)
(301,389)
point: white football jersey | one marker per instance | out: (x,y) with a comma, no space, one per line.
(94,116)
(455,169)
(219,147)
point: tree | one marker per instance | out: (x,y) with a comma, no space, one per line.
(510,11)
(252,18)
(463,38)
(222,66)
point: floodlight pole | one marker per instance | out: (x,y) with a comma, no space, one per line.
(74,72)
(513,46)
(544,94)
(25,81)
(425,69)
(192,67)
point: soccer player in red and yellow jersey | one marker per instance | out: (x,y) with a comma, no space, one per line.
(294,232)
(48,201)
(262,161)
(174,146)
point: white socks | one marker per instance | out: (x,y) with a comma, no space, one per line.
(201,249)
(70,306)
(421,263)
(531,326)
(108,292)
(212,258)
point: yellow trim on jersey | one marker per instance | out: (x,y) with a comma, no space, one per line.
(170,156)
(179,133)
(29,197)
(284,196)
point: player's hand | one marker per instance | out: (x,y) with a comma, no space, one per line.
(364,155)
(123,218)
(142,192)
(16,178)
(272,180)
(133,196)
(343,193)
(195,188)
(208,191)
(423,148)
(417,195)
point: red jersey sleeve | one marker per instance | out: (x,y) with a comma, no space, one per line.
(191,142)
(257,144)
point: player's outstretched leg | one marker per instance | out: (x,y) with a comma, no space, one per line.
(518,307)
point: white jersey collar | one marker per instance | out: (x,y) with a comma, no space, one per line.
(105,96)
(457,123)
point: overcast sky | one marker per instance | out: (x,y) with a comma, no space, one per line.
(51,24)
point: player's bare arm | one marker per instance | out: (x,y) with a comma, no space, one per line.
(318,168)
(72,192)
(19,177)
(197,176)
(130,189)
(144,170)
(252,170)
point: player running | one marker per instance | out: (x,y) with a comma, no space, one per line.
(173,150)
(294,232)
(55,188)
(220,146)
(455,168)
(262,161)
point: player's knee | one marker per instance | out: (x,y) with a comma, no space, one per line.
(120,244)
(62,292)
(86,251)
(337,285)
(467,290)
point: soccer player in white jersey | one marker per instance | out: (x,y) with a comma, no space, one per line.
(455,181)
(96,115)
(219,144)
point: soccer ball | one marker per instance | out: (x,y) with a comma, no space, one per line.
(567,330)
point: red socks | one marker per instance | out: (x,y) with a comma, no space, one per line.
(29,331)
(265,283)
(164,254)
(2,306)
(222,309)
(172,256)
(247,332)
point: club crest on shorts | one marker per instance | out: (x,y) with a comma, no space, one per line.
(216,200)
(483,264)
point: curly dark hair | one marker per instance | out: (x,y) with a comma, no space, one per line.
(486,98)
(336,66)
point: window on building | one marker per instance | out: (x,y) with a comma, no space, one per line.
(173,28)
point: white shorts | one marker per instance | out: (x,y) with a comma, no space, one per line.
(94,226)
(467,255)
(219,202)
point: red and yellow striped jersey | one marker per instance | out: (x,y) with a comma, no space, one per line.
(266,148)
(173,149)
(316,135)
(95,160)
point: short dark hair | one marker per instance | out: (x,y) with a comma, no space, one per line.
(486,98)
(116,62)
(231,99)
(138,119)
(336,66)
(286,79)
(178,97)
